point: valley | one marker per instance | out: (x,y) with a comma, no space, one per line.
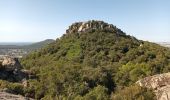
(19,50)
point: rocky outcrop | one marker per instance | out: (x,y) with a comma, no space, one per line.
(159,83)
(81,27)
(9,96)
(11,64)
(11,70)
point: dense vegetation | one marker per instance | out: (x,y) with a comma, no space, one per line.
(96,65)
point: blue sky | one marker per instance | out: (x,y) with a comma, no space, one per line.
(36,20)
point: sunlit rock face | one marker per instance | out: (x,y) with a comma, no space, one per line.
(159,83)
(11,70)
(11,64)
(81,27)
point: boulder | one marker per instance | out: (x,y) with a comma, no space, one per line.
(11,70)
(159,83)
(11,64)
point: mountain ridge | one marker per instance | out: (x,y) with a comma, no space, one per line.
(24,45)
(38,45)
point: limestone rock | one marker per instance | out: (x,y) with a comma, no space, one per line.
(81,27)
(10,70)
(11,64)
(159,83)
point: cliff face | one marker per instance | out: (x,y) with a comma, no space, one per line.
(159,83)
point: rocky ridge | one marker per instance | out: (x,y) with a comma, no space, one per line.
(159,83)
(92,25)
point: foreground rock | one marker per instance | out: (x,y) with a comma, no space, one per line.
(11,70)
(11,64)
(159,83)
(8,96)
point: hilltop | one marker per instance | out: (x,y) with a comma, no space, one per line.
(94,60)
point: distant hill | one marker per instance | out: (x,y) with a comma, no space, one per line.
(37,45)
(95,60)
(10,47)
(27,46)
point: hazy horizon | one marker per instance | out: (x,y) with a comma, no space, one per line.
(37,20)
(16,43)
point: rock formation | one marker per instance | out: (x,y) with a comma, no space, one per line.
(11,70)
(159,83)
(11,64)
(81,27)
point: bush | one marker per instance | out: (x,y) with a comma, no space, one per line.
(98,93)
(133,93)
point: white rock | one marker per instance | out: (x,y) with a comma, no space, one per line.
(159,83)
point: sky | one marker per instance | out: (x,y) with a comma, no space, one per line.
(37,20)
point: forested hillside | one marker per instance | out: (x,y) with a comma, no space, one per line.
(94,61)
